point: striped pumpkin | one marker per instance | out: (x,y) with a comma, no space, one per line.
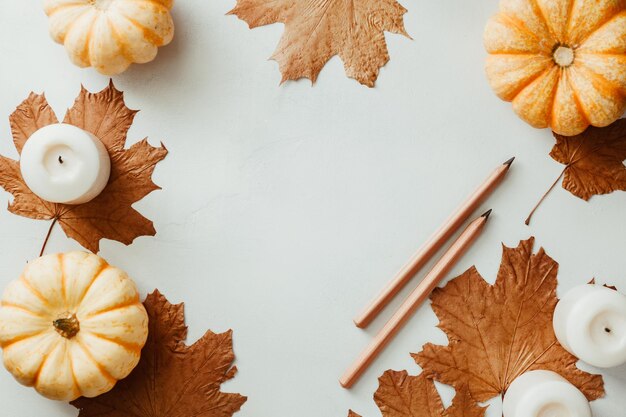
(562,63)
(71,326)
(109,35)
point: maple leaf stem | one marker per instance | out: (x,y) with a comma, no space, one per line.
(45,242)
(527,222)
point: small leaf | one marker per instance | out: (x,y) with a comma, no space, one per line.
(317,30)
(594,160)
(402,395)
(498,332)
(172,379)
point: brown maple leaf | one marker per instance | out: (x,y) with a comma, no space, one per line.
(498,332)
(110,215)
(317,30)
(403,395)
(594,161)
(172,379)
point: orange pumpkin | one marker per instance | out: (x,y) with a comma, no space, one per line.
(562,63)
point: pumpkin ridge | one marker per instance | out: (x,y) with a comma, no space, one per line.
(98,365)
(603,80)
(579,105)
(132,347)
(92,314)
(539,13)
(70,360)
(514,21)
(71,27)
(548,78)
(22,338)
(118,40)
(103,267)
(603,85)
(599,26)
(610,53)
(46,356)
(85,55)
(568,23)
(32,289)
(22,308)
(148,33)
(60,257)
(554,96)
(532,80)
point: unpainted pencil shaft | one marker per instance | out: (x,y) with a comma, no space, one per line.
(414,300)
(432,245)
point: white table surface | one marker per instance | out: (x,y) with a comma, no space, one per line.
(284,209)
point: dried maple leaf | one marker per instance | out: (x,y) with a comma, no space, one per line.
(172,379)
(403,395)
(498,332)
(594,161)
(110,215)
(317,30)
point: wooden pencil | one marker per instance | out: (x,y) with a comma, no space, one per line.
(414,300)
(433,244)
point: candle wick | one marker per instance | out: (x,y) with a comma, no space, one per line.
(60,159)
(606,329)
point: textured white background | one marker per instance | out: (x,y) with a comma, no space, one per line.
(285,209)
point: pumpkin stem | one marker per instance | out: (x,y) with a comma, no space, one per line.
(45,242)
(67,327)
(527,222)
(563,55)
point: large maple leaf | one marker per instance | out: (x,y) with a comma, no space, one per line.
(498,332)
(110,215)
(402,395)
(317,30)
(594,161)
(172,379)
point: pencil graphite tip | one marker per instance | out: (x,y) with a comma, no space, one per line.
(509,162)
(487,214)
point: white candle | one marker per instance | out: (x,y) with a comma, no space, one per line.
(590,322)
(544,394)
(62,163)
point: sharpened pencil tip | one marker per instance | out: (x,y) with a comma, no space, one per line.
(509,162)
(487,214)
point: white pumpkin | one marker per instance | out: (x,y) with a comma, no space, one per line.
(109,35)
(71,326)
